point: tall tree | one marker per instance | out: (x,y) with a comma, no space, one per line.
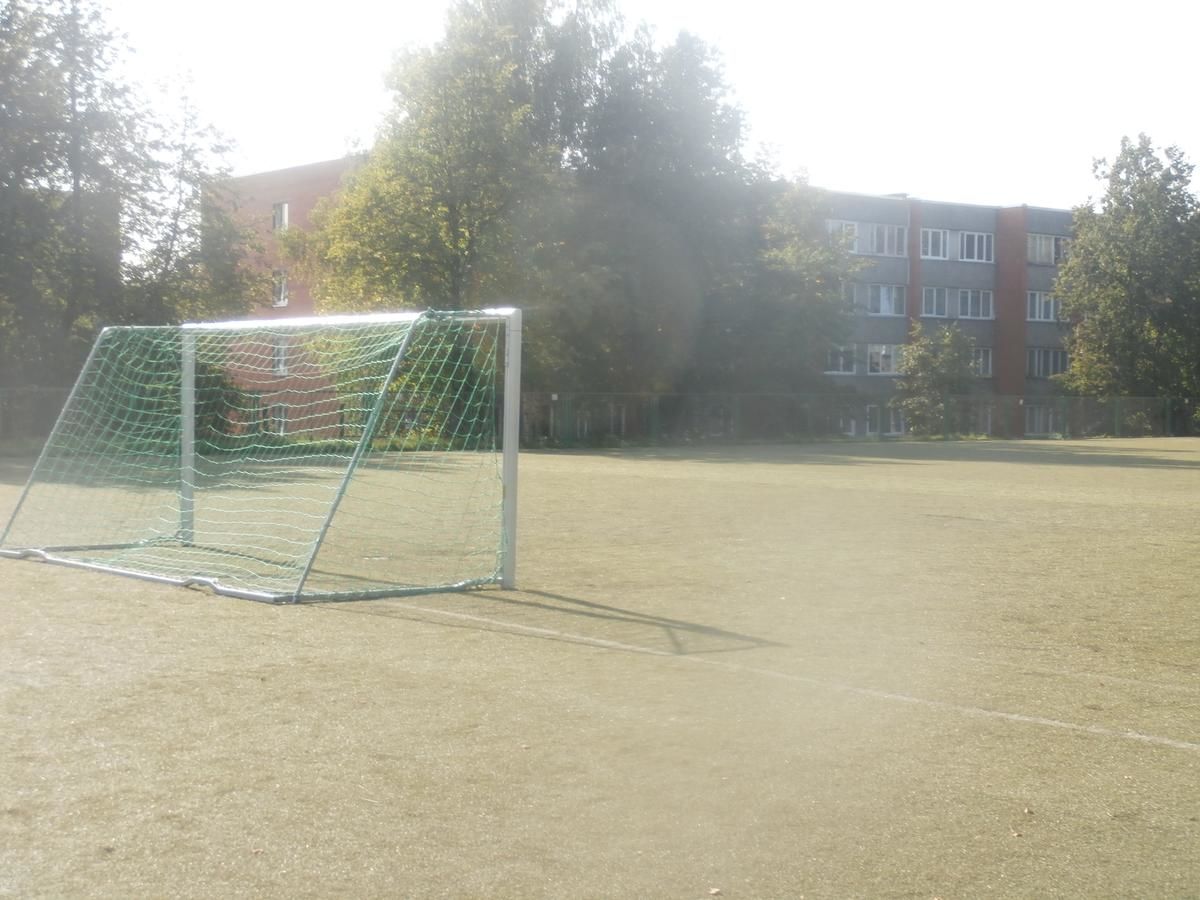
(83,175)
(427,220)
(532,156)
(187,257)
(1131,283)
(774,311)
(64,162)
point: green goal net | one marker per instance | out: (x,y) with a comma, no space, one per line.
(282,460)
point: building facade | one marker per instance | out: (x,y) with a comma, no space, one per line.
(290,397)
(269,203)
(988,270)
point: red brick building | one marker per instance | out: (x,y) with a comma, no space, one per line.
(272,202)
(294,397)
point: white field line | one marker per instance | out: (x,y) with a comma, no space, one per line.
(974,711)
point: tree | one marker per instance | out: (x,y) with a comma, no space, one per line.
(427,220)
(63,163)
(937,370)
(668,211)
(1130,286)
(779,308)
(669,263)
(532,156)
(83,176)
(188,258)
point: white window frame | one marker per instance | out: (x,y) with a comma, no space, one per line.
(987,307)
(845,231)
(1042,306)
(895,420)
(885,240)
(279,288)
(935,249)
(939,297)
(981,417)
(1041,418)
(1046,249)
(277,418)
(279,216)
(279,354)
(884,359)
(976,246)
(887,300)
(847,423)
(1043,362)
(843,355)
(981,361)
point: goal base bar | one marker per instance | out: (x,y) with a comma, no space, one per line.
(214,586)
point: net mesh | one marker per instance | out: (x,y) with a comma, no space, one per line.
(308,460)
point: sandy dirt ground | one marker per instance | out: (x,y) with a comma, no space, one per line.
(861,670)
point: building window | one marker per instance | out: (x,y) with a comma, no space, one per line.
(1040,419)
(279,354)
(846,233)
(1042,362)
(884,240)
(1043,307)
(933,302)
(840,361)
(886,299)
(1047,249)
(934,242)
(981,361)
(974,304)
(892,420)
(279,216)
(883,359)
(277,418)
(981,418)
(975,246)
(846,423)
(279,288)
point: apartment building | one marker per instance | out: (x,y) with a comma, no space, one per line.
(989,270)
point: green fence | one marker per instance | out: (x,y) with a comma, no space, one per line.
(602,419)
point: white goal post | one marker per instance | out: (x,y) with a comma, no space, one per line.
(335,457)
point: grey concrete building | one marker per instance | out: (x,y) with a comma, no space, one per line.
(988,270)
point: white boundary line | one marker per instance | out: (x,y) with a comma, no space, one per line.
(974,711)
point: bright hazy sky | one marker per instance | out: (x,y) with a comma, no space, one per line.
(1003,102)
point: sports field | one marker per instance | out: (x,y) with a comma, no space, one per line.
(859,670)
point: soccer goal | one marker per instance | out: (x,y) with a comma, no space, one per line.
(288,459)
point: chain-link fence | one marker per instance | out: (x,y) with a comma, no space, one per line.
(27,415)
(597,420)
(601,419)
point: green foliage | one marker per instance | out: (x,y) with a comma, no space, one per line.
(936,369)
(100,202)
(534,157)
(778,309)
(427,219)
(1131,284)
